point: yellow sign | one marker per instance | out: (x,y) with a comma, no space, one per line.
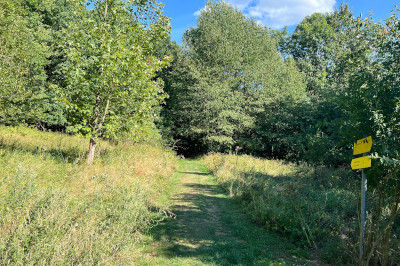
(362,162)
(362,145)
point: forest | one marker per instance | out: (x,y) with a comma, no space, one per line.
(106,74)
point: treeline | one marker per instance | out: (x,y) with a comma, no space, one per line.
(99,68)
(236,86)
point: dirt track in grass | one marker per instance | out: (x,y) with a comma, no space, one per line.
(211,229)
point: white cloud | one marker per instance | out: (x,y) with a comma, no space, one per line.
(198,12)
(279,13)
(241,4)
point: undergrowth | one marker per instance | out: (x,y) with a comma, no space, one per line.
(316,207)
(55,209)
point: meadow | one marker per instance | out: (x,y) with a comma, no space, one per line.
(56,209)
(315,207)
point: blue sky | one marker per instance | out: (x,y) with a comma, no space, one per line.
(272,13)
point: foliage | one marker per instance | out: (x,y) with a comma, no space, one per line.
(23,53)
(225,96)
(371,103)
(311,46)
(299,131)
(98,68)
(109,68)
(30,30)
(177,76)
(227,73)
(53,15)
(318,46)
(57,210)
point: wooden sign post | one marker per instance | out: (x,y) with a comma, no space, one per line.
(362,146)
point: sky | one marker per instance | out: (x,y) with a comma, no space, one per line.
(272,13)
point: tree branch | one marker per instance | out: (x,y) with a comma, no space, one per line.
(105,113)
(105,11)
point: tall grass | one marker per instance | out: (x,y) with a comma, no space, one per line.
(54,209)
(314,206)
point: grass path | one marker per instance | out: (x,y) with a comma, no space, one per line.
(210,229)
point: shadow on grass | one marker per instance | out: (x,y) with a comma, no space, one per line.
(213,229)
(194,173)
(59,155)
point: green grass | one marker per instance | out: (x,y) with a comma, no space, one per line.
(210,228)
(314,207)
(54,209)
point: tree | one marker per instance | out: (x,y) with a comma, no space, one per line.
(23,57)
(319,47)
(316,45)
(371,104)
(109,69)
(311,46)
(29,31)
(53,15)
(232,70)
(178,77)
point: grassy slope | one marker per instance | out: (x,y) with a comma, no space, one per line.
(314,207)
(54,209)
(211,229)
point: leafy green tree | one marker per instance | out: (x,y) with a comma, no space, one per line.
(23,57)
(311,46)
(53,15)
(371,104)
(228,72)
(319,46)
(177,77)
(359,62)
(30,30)
(109,68)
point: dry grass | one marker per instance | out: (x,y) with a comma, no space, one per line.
(54,209)
(316,207)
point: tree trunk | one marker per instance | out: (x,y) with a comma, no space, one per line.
(92,148)
(97,127)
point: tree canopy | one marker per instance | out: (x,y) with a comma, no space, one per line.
(109,68)
(232,71)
